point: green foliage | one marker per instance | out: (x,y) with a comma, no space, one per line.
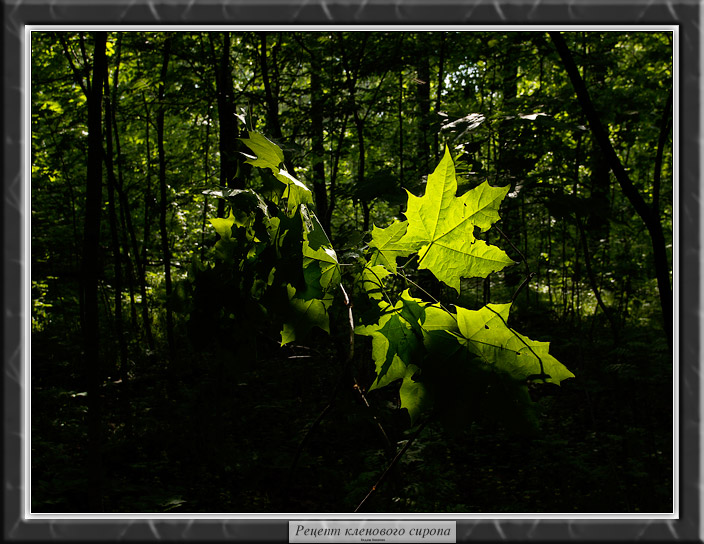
(471,362)
(281,253)
(360,119)
(268,155)
(435,350)
(441,227)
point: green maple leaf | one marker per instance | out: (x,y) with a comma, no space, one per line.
(485,333)
(395,345)
(371,279)
(303,315)
(387,246)
(414,395)
(223,226)
(269,155)
(321,268)
(441,227)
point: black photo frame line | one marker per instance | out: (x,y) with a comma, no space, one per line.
(113,14)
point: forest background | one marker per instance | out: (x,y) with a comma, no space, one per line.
(150,395)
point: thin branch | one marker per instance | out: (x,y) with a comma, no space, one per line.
(385,437)
(523,257)
(523,284)
(340,381)
(662,140)
(393,463)
(592,279)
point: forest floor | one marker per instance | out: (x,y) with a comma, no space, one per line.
(217,435)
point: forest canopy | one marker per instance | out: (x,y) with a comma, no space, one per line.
(232,231)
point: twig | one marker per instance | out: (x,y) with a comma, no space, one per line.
(520,287)
(380,427)
(389,468)
(523,257)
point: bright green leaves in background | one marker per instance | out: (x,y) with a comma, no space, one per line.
(459,362)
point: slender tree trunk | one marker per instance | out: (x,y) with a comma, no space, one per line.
(351,80)
(125,212)
(165,250)
(206,176)
(113,183)
(548,273)
(272,102)
(592,280)
(650,219)
(318,138)
(335,159)
(93,364)
(142,262)
(400,126)
(114,235)
(273,124)
(423,98)
(438,98)
(230,171)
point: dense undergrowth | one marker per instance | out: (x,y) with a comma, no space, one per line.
(214,434)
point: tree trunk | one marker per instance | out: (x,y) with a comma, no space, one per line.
(165,250)
(351,80)
(142,261)
(114,235)
(272,120)
(318,138)
(650,219)
(125,211)
(438,97)
(90,270)
(423,98)
(273,123)
(230,168)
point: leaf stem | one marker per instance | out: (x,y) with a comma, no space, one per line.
(435,300)
(381,285)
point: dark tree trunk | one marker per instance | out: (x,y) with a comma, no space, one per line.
(142,261)
(438,98)
(646,213)
(423,98)
(351,80)
(318,138)
(273,123)
(272,120)
(231,174)
(114,234)
(165,250)
(93,365)
(125,212)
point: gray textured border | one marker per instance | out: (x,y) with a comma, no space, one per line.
(686,14)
